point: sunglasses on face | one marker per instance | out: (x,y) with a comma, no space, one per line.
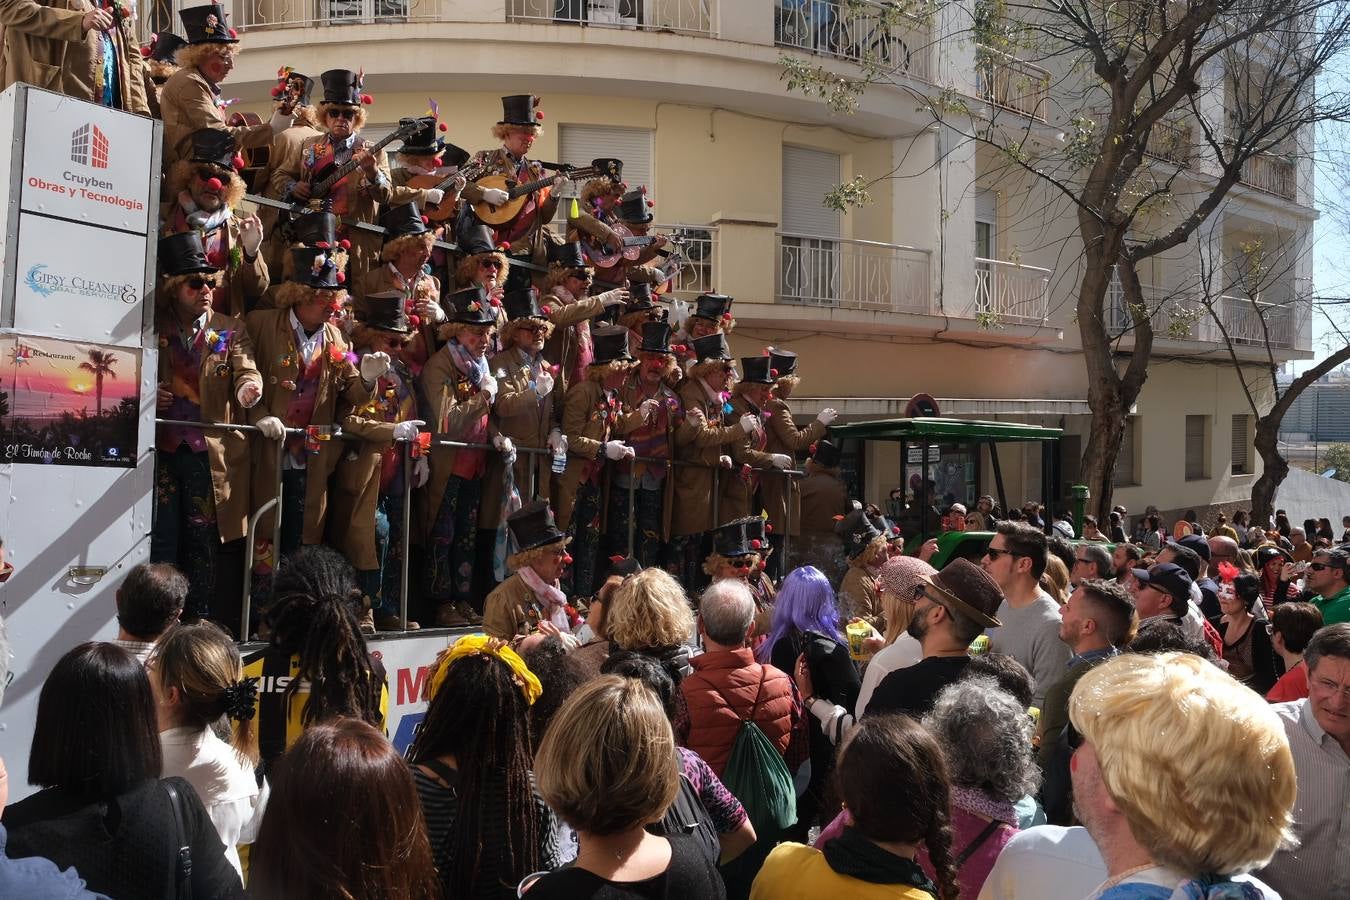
(197,282)
(534,328)
(206,173)
(342,113)
(740,563)
(1318,567)
(994,553)
(581,276)
(491,264)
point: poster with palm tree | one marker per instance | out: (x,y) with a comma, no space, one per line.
(46,416)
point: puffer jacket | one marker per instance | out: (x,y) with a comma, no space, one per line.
(723,677)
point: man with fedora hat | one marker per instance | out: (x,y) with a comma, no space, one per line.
(776,491)
(191,98)
(824,500)
(704,440)
(405,257)
(342,115)
(206,374)
(312,382)
(159,53)
(534,593)
(367,520)
(593,420)
(458,391)
(204,190)
(295,90)
(652,483)
(570,307)
(740,495)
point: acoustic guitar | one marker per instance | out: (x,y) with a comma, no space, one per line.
(443,212)
(517,193)
(318,194)
(602,257)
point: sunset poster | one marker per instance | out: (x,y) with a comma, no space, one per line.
(68,403)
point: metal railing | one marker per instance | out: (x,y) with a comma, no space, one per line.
(851,274)
(1185,317)
(859,34)
(1011,292)
(1272,174)
(700,247)
(682,16)
(1011,83)
(1171,142)
(1258,323)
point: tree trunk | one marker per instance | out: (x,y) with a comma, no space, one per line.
(1274,466)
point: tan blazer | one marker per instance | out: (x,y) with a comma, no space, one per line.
(587,426)
(187,103)
(284,156)
(564,344)
(440,401)
(695,443)
(45,45)
(526,420)
(341,390)
(739,495)
(510,609)
(248,279)
(632,399)
(784,437)
(220,378)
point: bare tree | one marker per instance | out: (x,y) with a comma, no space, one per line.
(1132,84)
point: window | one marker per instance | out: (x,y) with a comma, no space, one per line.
(1242,445)
(986,246)
(809,265)
(1197,448)
(579,144)
(1126,460)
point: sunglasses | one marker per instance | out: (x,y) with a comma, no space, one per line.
(197,282)
(491,264)
(994,553)
(534,328)
(341,113)
(206,173)
(581,276)
(740,563)
(1318,567)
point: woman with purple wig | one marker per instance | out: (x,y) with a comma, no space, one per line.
(806,624)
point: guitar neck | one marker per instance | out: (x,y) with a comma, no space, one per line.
(347,168)
(530,187)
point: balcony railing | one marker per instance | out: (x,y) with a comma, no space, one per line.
(1008,292)
(699,248)
(690,16)
(1254,322)
(847,274)
(1011,83)
(833,28)
(1184,317)
(1270,173)
(1171,142)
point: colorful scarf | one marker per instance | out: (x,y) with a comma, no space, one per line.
(471,368)
(551,599)
(482,645)
(201,220)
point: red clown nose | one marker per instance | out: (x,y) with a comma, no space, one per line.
(214,184)
(567,559)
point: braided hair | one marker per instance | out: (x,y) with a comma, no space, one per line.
(479,716)
(315,615)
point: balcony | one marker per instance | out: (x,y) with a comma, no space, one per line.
(1272,174)
(849,274)
(1010,293)
(698,246)
(684,16)
(1012,84)
(838,29)
(1247,322)
(1171,142)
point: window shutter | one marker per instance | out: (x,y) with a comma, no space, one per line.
(1242,460)
(582,143)
(808,175)
(986,206)
(1124,472)
(1195,448)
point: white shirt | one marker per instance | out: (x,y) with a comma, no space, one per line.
(904,653)
(224,782)
(1050,861)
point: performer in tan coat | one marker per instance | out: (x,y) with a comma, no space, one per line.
(740,491)
(292,89)
(824,500)
(569,306)
(534,593)
(159,56)
(867,550)
(206,374)
(405,270)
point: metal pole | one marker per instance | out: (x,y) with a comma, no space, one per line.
(998,476)
(247,605)
(276,527)
(632,507)
(717,484)
(407,530)
(787,522)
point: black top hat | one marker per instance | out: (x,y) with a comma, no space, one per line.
(567,256)
(607,317)
(782,363)
(473,237)
(343,87)
(402,220)
(207,25)
(857,531)
(522,303)
(165,45)
(306,82)
(655,338)
(739,537)
(635,207)
(966,587)
(711,346)
(532,526)
(712,306)
(471,307)
(315,267)
(621,567)
(639,297)
(424,142)
(826,454)
(315,229)
(387,312)
(611,345)
(755,370)
(453,156)
(757,529)
(214,146)
(521,109)
(183,254)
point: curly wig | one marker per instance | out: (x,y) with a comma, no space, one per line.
(193,55)
(393,248)
(292,293)
(182,172)
(160,69)
(599,188)
(500,130)
(786,385)
(517,561)
(508,331)
(357,123)
(877,545)
(708,366)
(599,373)
(306,115)
(453,330)
(467,270)
(168,292)
(362,335)
(716,560)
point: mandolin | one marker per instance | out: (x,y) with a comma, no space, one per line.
(443,212)
(255,158)
(602,257)
(518,193)
(334,174)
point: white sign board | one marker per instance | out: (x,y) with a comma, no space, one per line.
(407,664)
(85,163)
(78,282)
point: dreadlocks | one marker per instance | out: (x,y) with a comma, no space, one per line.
(480,717)
(315,614)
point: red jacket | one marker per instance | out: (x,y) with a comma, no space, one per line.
(764,694)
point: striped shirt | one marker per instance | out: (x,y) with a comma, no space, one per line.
(1320,866)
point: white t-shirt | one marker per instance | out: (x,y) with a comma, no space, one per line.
(904,653)
(224,782)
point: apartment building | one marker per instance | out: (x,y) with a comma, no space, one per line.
(952,281)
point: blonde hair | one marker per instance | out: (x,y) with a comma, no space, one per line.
(874,546)
(600,372)
(517,561)
(898,614)
(393,248)
(361,335)
(193,55)
(608,763)
(707,366)
(306,114)
(160,70)
(786,385)
(558,274)
(649,610)
(1198,764)
(292,293)
(1055,579)
(358,121)
(204,665)
(455,329)
(180,175)
(508,331)
(468,268)
(598,187)
(716,560)
(500,130)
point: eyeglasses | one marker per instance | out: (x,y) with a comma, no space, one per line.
(197,282)
(534,327)
(206,173)
(1318,567)
(490,264)
(740,563)
(1085,562)
(994,553)
(1329,686)
(339,112)
(581,275)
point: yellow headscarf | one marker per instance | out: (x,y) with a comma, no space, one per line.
(481,644)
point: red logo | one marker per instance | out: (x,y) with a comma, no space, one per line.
(89,146)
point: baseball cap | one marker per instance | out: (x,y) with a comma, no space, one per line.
(1169,578)
(1195,543)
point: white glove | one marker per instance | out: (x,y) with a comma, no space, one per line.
(503,443)
(826,416)
(749,423)
(421,471)
(649,409)
(248,394)
(495,196)
(407,431)
(488,385)
(458,184)
(617,450)
(280,122)
(543,383)
(724,461)
(679,312)
(373,365)
(272,428)
(780,460)
(250,235)
(557,441)
(435,196)
(614,298)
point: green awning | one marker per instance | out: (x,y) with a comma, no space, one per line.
(937,429)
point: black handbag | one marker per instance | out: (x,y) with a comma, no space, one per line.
(183,855)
